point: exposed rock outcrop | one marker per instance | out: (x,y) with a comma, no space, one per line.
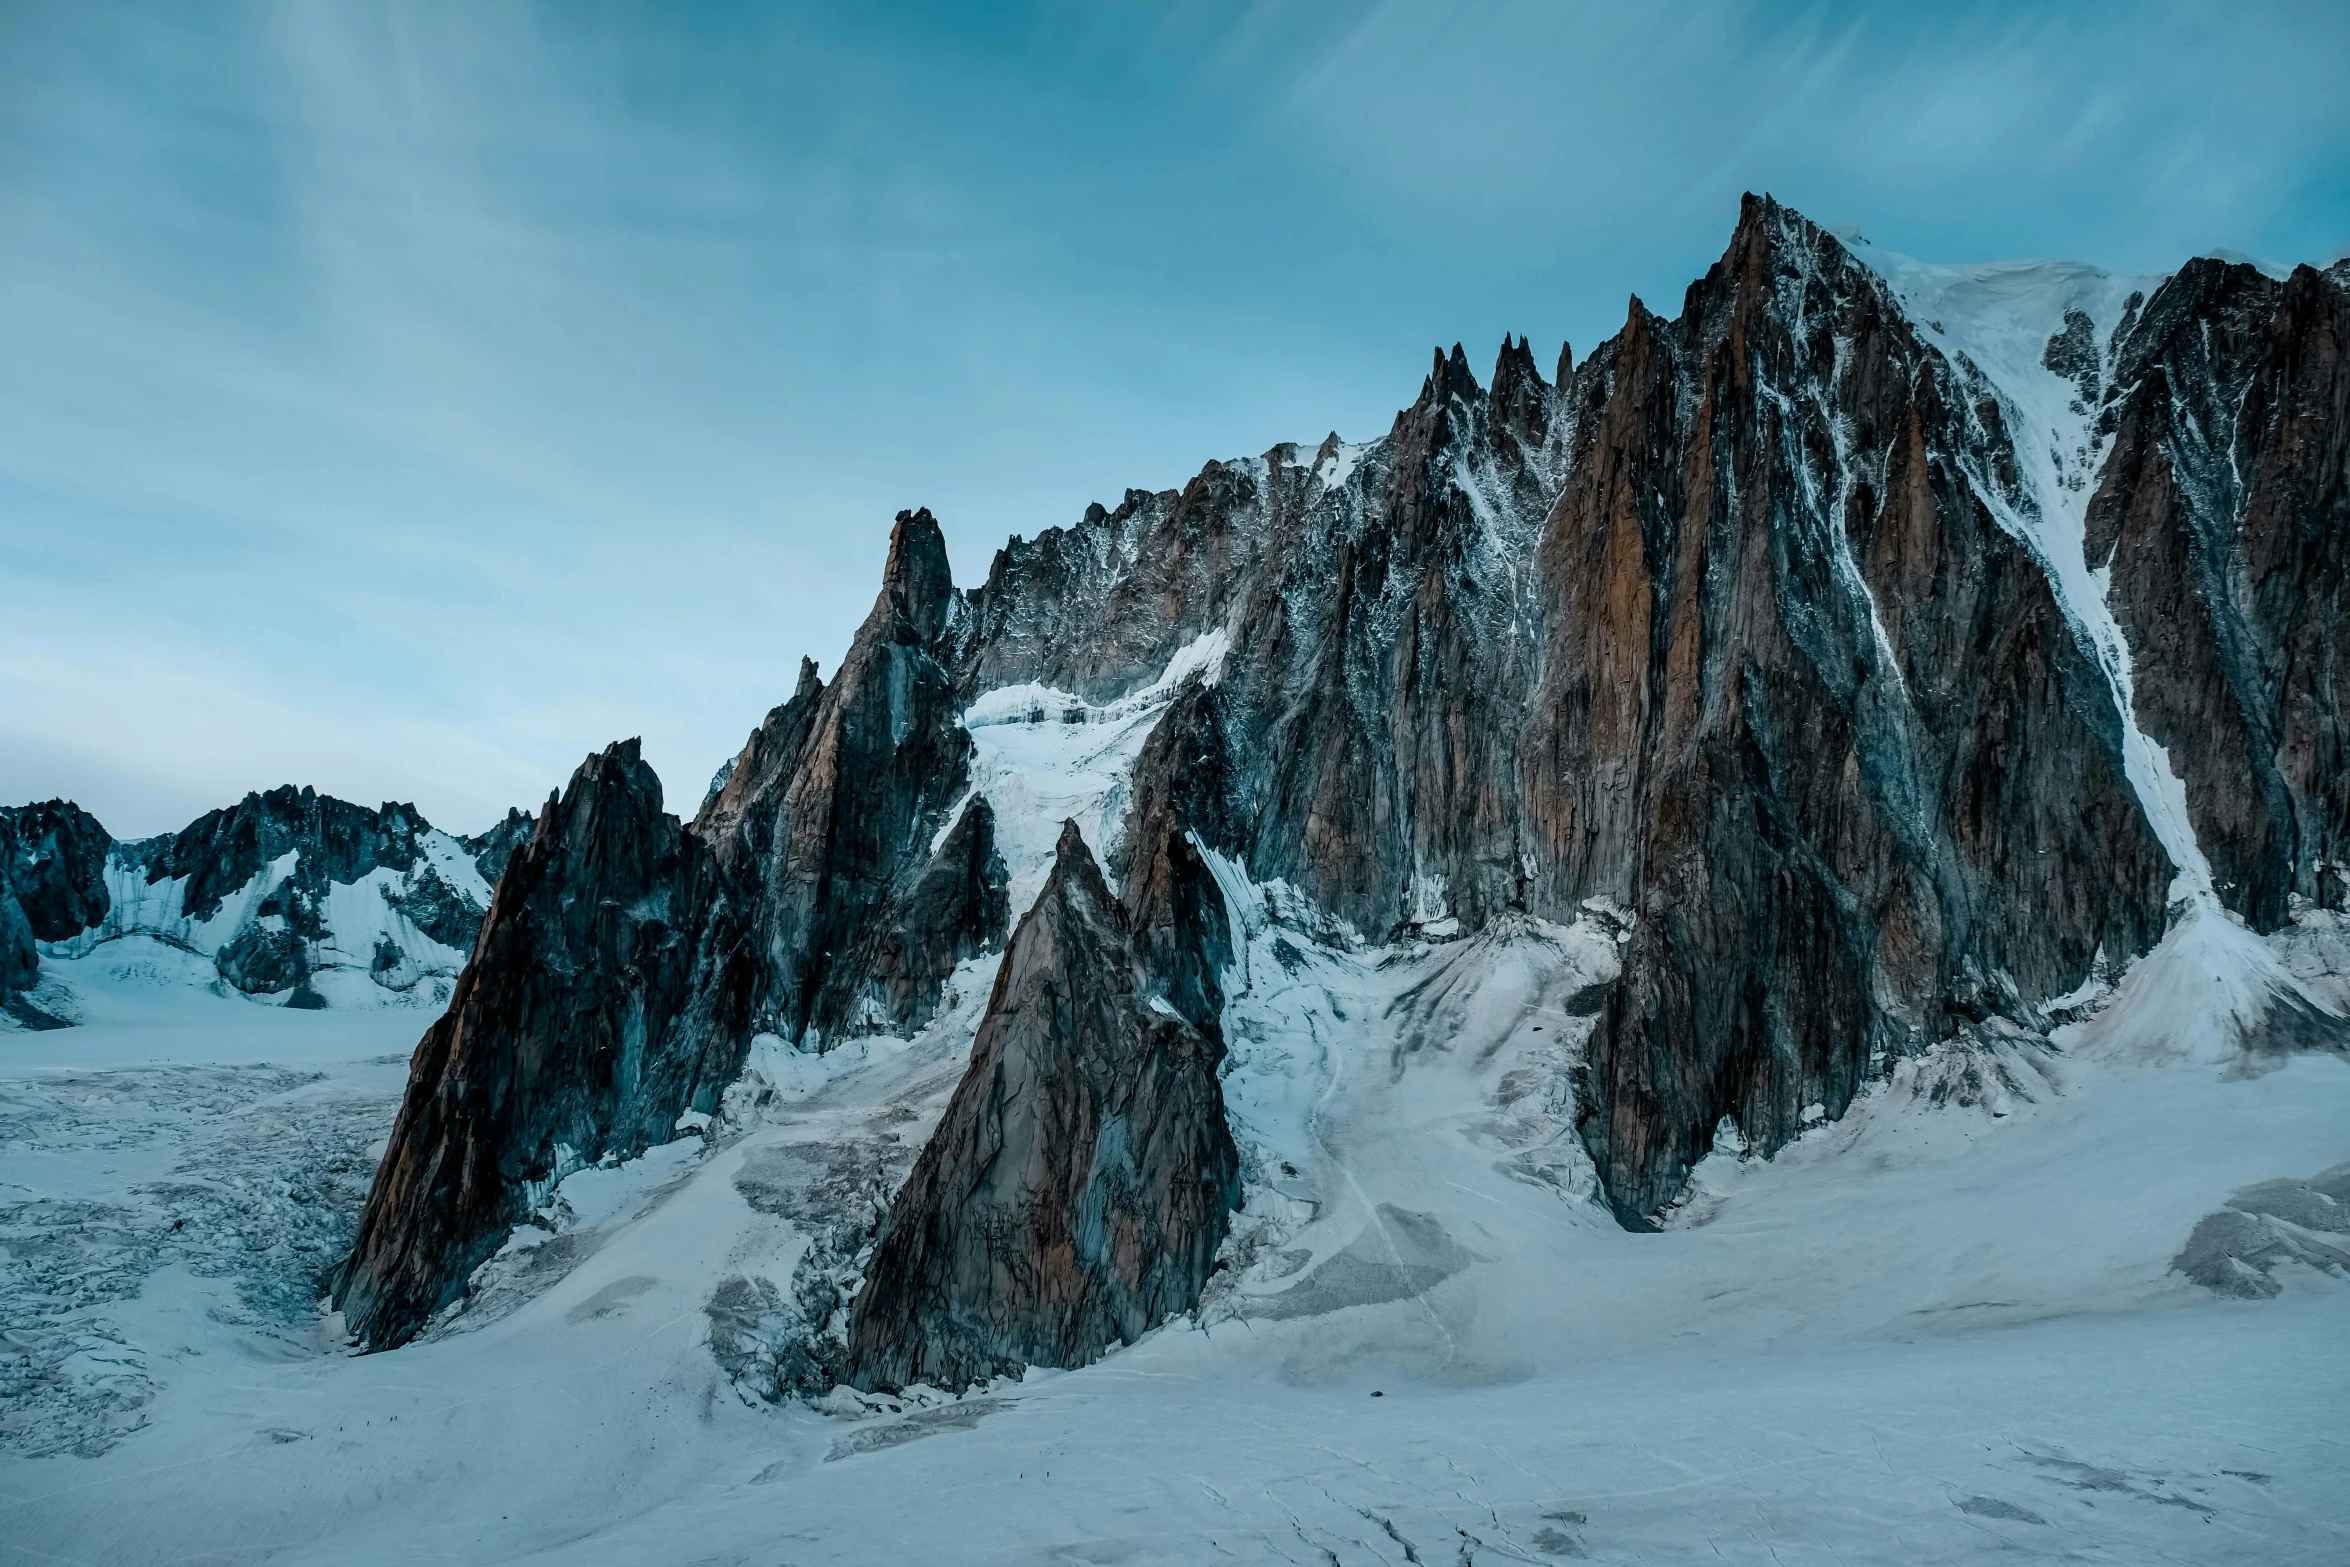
(956,907)
(2224,514)
(256,886)
(52,888)
(492,849)
(561,1042)
(628,959)
(1175,912)
(1099,608)
(1720,628)
(277,889)
(55,854)
(1811,715)
(221,852)
(1075,1193)
(1735,632)
(825,823)
(20,960)
(1384,619)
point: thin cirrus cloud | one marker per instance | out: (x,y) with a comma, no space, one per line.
(406,398)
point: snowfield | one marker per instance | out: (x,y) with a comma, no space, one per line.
(1944,1329)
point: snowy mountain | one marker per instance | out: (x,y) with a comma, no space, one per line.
(297,899)
(1754,929)
(1772,636)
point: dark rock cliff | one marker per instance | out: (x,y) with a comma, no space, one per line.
(1182,800)
(55,854)
(628,959)
(1721,627)
(52,888)
(824,824)
(562,1035)
(1075,1192)
(2224,513)
(20,960)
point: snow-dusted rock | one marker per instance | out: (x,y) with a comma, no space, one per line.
(1778,631)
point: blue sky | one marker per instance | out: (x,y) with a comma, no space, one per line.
(407,399)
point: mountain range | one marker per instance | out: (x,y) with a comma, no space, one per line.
(1866,661)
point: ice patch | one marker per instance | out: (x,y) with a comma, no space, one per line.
(1042,755)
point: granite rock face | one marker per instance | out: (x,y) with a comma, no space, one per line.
(1720,629)
(1382,617)
(1100,608)
(1182,802)
(628,959)
(1745,633)
(563,1033)
(824,824)
(956,906)
(1075,1193)
(2224,515)
(1811,715)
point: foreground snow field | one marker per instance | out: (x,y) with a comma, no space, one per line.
(1945,1328)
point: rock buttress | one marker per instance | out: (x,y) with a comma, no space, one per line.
(1075,1192)
(1810,715)
(561,1035)
(2224,514)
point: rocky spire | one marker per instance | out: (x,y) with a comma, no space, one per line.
(1075,1192)
(561,1035)
(1450,379)
(1850,767)
(917,583)
(1521,400)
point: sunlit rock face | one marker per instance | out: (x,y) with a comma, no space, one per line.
(1811,714)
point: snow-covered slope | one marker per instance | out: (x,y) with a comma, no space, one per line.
(368,950)
(1945,1328)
